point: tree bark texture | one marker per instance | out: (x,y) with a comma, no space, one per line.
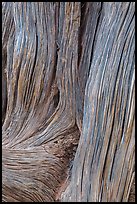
(68,101)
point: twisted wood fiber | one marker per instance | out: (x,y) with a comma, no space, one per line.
(68,73)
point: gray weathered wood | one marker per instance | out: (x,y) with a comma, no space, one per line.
(68,101)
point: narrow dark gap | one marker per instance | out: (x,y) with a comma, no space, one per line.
(57,48)
(16,88)
(56,99)
(53,79)
(123,125)
(4,108)
(4,87)
(55,64)
(113,161)
(34,58)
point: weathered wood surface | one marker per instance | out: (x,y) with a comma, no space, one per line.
(68,86)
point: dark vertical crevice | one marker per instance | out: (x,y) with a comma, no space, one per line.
(4,85)
(56,99)
(56,61)
(56,41)
(113,162)
(4,98)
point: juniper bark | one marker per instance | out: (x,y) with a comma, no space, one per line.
(68,101)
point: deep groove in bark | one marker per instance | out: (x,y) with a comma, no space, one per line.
(4,85)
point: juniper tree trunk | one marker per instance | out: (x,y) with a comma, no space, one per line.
(68,101)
